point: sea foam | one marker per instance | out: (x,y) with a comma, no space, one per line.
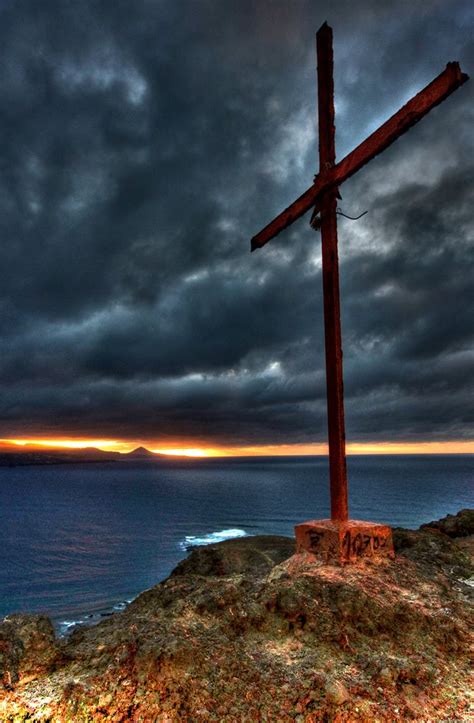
(191,541)
(65,627)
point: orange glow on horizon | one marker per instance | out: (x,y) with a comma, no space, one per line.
(353,448)
(107,445)
(184,452)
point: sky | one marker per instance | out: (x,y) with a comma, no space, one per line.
(145,142)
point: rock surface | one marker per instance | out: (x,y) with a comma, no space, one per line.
(245,630)
(460,525)
(28,648)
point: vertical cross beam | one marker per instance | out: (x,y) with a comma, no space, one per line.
(332,316)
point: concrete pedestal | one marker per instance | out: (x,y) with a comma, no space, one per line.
(343,542)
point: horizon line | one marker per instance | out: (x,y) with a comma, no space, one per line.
(202,450)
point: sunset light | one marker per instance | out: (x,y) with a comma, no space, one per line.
(107,445)
(237,453)
(185,452)
(271,450)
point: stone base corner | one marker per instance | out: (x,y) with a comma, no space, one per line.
(343,542)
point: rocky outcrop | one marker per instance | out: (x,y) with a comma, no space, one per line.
(245,630)
(460,525)
(28,648)
(247,555)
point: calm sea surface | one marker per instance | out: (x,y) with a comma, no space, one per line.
(80,540)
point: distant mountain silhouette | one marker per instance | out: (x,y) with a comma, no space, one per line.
(141,453)
(11,456)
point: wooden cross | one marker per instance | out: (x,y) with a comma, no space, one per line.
(323,196)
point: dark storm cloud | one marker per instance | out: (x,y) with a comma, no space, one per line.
(144,143)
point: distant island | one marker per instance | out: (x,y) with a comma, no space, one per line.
(15,456)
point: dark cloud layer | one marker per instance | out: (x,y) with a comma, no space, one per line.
(142,145)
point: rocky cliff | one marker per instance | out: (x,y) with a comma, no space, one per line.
(245,630)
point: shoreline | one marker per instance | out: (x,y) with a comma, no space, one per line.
(245,629)
(66,625)
(90,618)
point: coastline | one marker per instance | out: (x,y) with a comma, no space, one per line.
(120,529)
(246,630)
(64,628)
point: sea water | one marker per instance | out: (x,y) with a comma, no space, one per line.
(79,541)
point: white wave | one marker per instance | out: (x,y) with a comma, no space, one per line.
(64,627)
(212,537)
(121,605)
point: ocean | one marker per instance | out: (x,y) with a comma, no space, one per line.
(79,541)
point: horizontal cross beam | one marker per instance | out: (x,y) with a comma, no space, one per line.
(448,81)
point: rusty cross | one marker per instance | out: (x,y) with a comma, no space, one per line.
(322,196)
